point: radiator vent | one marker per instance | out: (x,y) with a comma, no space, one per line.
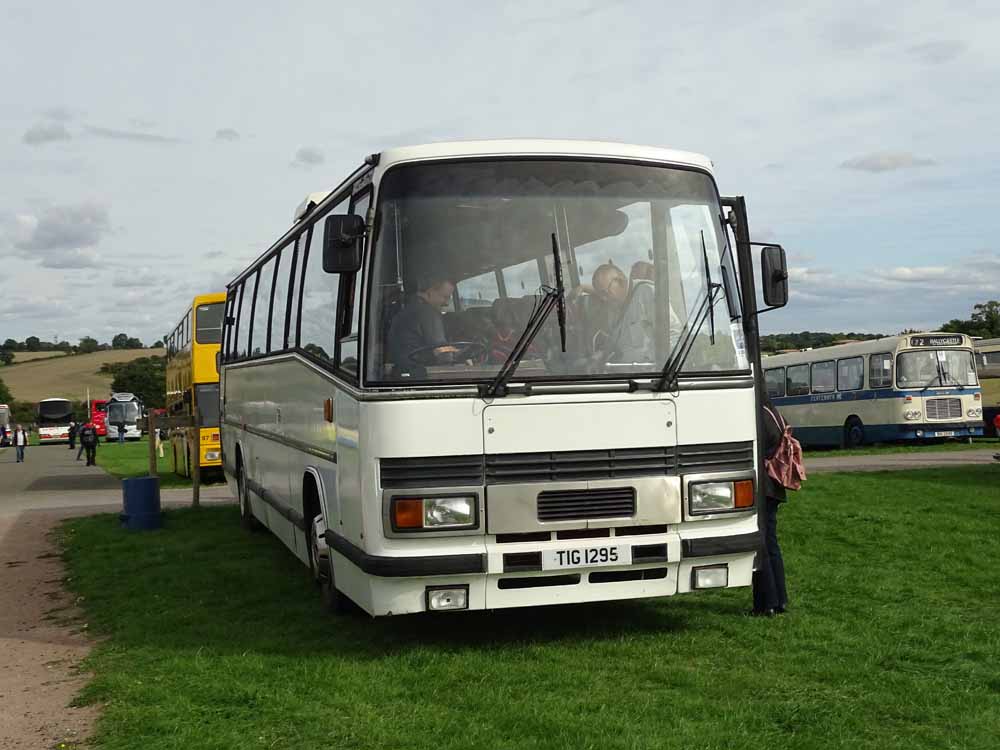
(571,505)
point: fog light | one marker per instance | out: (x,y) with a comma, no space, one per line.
(920,433)
(710,577)
(975,413)
(441,598)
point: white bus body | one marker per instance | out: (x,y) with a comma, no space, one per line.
(123,407)
(402,483)
(913,387)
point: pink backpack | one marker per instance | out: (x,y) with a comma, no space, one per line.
(785,467)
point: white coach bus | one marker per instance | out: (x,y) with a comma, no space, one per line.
(504,373)
(919,386)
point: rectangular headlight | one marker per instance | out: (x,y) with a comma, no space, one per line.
(718,497)
(433,513)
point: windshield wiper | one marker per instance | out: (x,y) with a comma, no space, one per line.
(706,309)
(555,298)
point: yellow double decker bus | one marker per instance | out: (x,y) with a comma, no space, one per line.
(193,380)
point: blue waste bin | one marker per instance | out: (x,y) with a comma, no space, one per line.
(141,504)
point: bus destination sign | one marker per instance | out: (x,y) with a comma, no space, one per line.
(935,340)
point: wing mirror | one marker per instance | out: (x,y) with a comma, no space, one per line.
(774,270)
(342,243)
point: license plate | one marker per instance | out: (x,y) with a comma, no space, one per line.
(946,433)
(586,557)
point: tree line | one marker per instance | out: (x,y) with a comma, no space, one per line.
(86,345)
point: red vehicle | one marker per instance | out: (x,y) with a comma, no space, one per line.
(98,415)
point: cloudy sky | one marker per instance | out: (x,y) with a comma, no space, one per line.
(148,153)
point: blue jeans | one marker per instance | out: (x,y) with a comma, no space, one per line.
(20,454)
(769,580)
(121,435)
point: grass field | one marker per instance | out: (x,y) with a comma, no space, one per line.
(871,450)
(67,377)
(211,637)
(132,460)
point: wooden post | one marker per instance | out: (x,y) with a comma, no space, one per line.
(151,429)
(196,462)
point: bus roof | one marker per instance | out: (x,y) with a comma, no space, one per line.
(208,298)
(540,147)
(840,351)
(987,345)
(54,398)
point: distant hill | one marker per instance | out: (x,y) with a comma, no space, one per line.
(66,377)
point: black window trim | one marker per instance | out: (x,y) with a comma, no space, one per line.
(837,379)
(290,293)
(270,301)
(253,313)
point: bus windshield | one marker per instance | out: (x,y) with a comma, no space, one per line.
(935,367)
(56,412)
(464,251)
(123,411)
(208,323)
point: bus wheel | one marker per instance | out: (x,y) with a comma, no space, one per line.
(321,564)
(247,520)
(854,433)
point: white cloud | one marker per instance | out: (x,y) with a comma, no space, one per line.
(46,132)
(129,135)
(227,134)
(886,161)
(62,227)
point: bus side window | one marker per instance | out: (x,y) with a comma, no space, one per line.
(282,286)
(797,380)
(261,309)
(243,315)
(318,331)
(880,371)
(824,377)
(851,374)
(775,380)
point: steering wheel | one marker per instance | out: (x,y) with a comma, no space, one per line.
(448,353)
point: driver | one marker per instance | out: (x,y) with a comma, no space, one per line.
(419,324)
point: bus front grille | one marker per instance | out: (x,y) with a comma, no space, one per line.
(566,466)
(699,459)
(433,471)
(944,408)
(565,505)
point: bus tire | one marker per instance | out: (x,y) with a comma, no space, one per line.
(320,566)
(854,433)
(247,519)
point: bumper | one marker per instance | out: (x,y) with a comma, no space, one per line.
(509,575)
(927,431)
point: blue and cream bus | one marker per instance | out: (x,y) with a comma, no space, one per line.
(919,386)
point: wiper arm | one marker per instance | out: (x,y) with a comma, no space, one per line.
(679,355)
(554,299)
(709,285)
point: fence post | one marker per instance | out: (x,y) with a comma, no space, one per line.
(151,430)
(196,463)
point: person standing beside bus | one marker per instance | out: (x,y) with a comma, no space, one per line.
(73,427)
(88,442)
(20,442)
(120,426)
(770,596)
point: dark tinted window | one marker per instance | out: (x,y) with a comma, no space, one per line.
(208,323)
(775,382)
(281,288)
(207,399)
(851,374)
(243,316)
(797,380)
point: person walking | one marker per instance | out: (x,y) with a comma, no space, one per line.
(160,437)
(20,441)
(88,442)
(784,471)
(73,427)
(79,451)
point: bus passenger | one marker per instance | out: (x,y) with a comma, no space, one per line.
(420,325)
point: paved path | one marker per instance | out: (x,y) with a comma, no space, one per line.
(898,461)
(43,636)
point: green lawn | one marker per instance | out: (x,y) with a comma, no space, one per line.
(131,459)
(872,450)
(211,637)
